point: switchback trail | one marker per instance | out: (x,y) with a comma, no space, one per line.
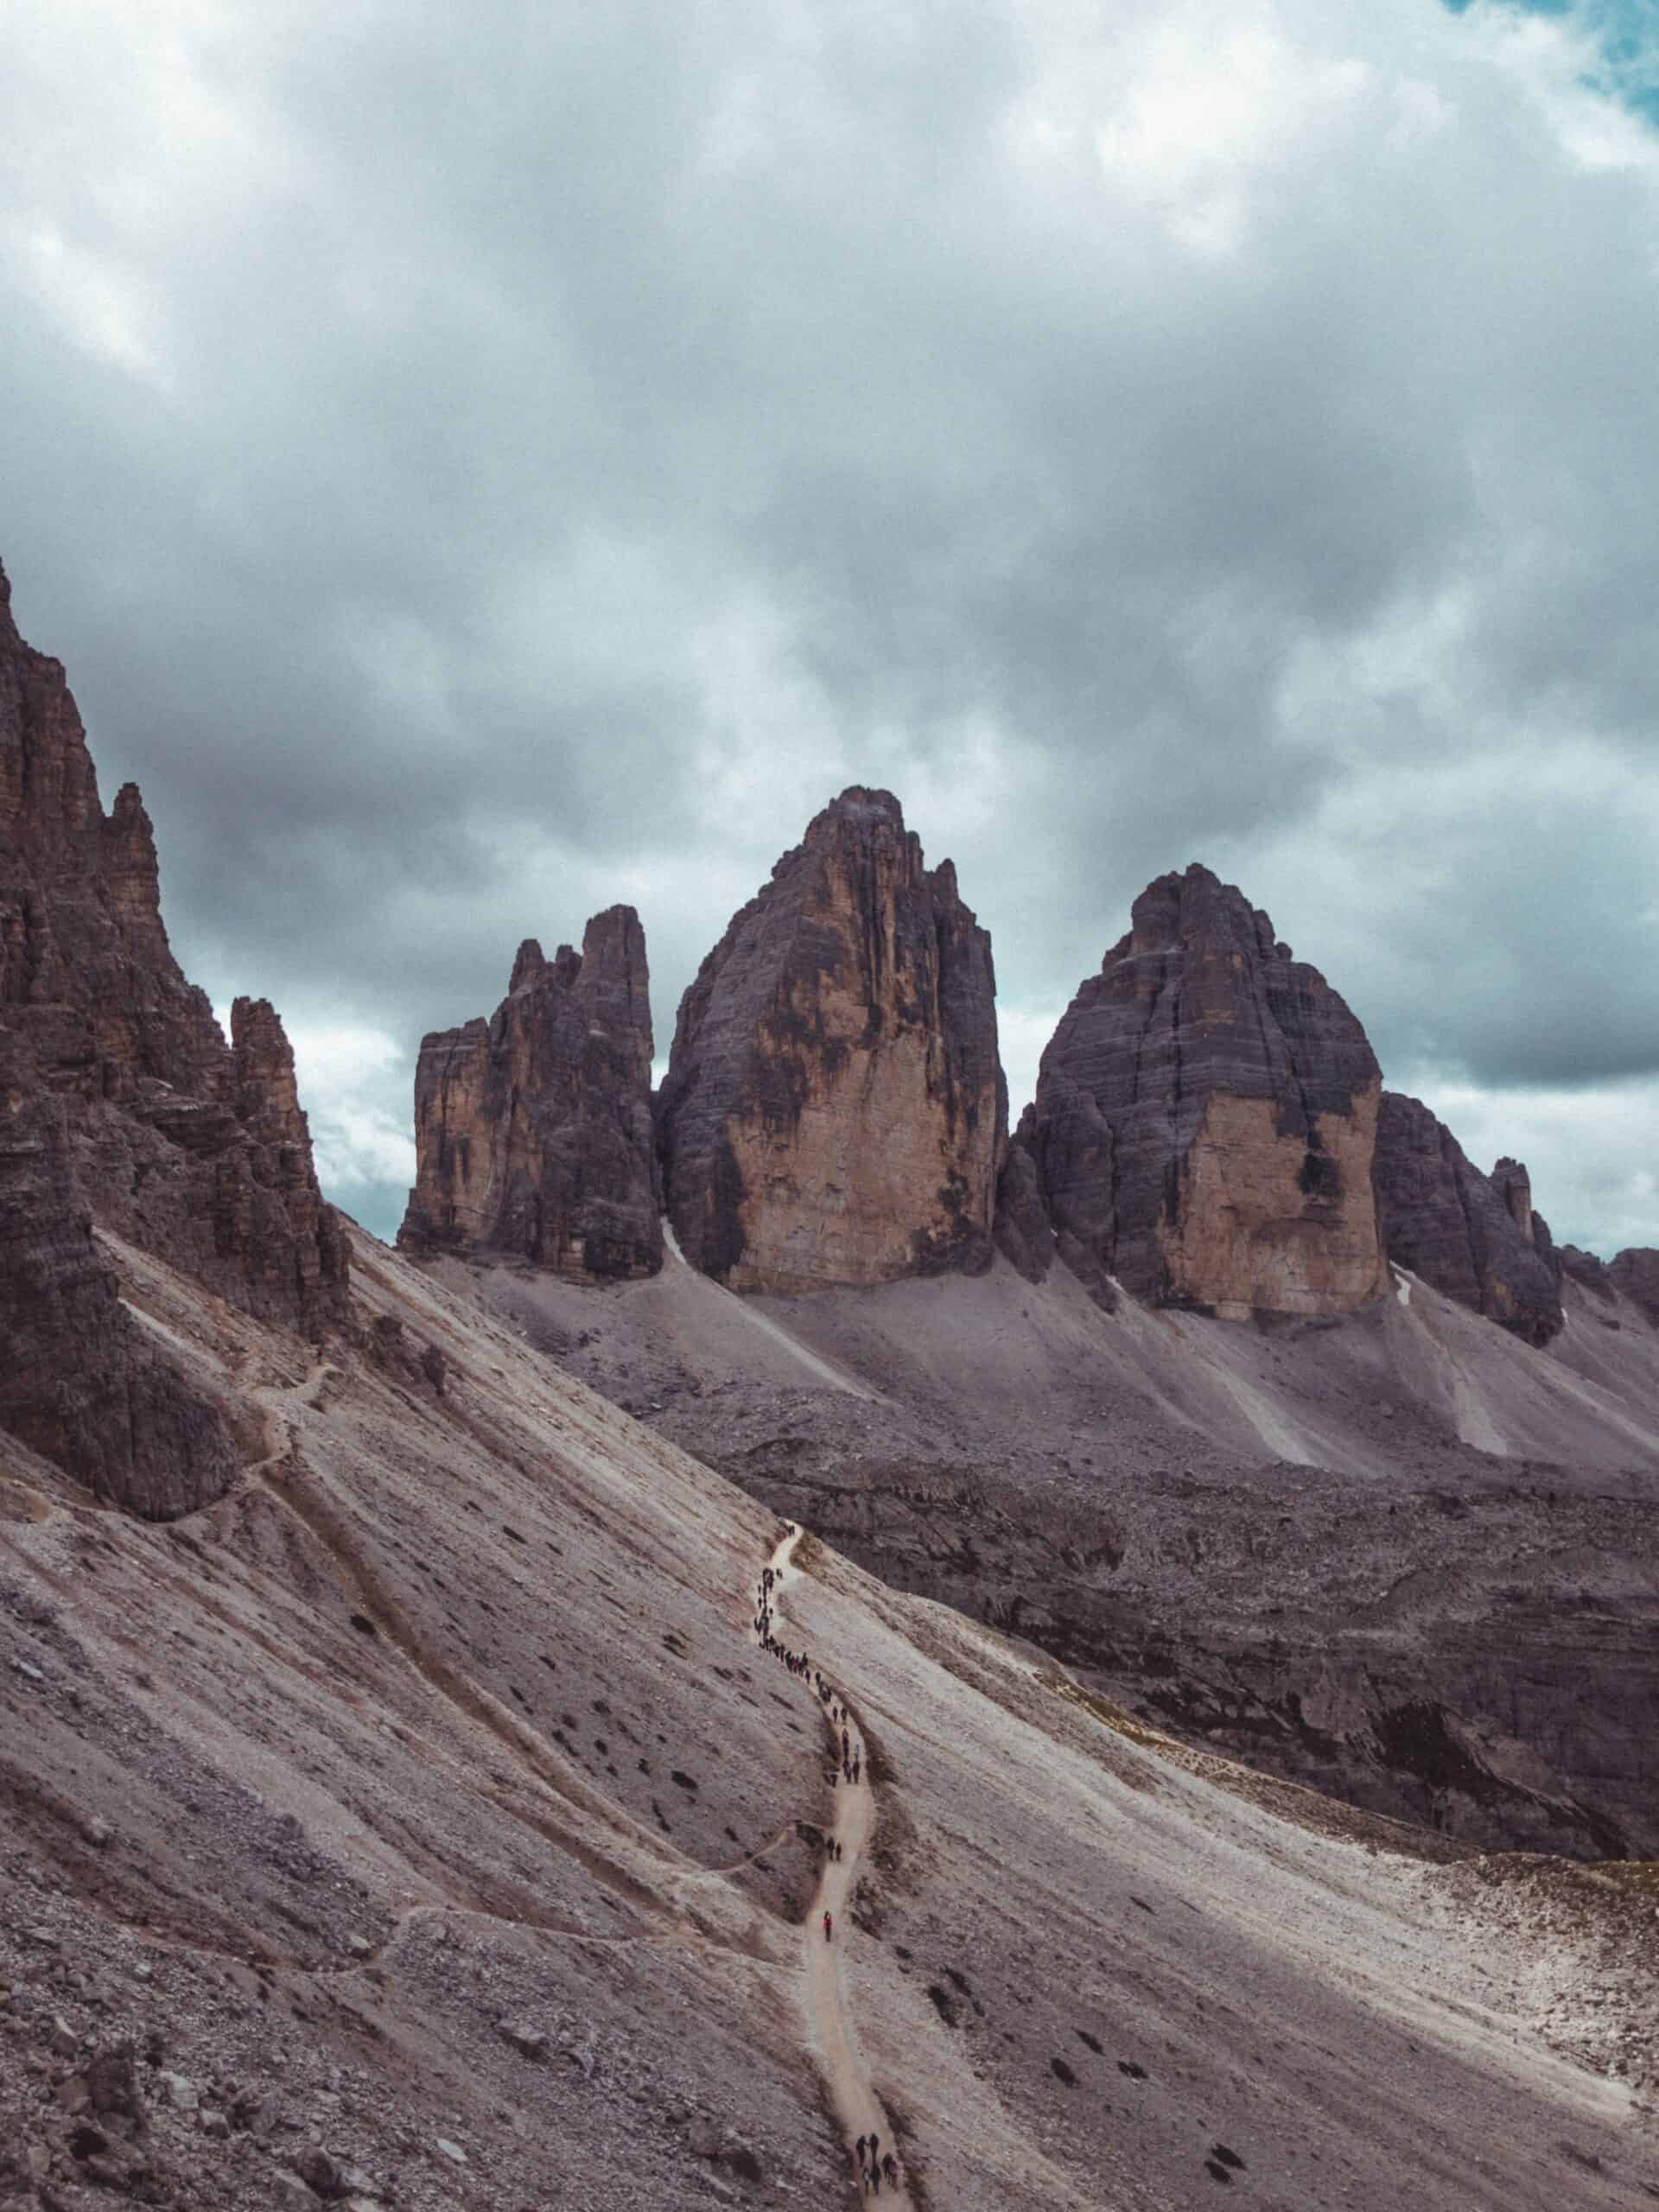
(832,2032)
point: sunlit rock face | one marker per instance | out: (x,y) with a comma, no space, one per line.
(1476,1237)
(533,1130)
(1204,1120)
(833,1111)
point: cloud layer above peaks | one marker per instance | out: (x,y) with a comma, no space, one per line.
(475,472)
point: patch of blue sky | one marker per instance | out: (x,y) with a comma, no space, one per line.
(1625,36)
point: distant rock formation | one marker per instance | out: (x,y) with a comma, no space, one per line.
(1635,1271)
(124,1105)
(1203,1122)
(833,1111)
(1588,1269)
(1472,1237)
(533,1130)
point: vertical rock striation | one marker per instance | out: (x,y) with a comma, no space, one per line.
(126,1107)
(1472,1237)
(833,1111)
(1203,1122)
(533,1130)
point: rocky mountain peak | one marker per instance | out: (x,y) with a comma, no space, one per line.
(533,1131)
(1203,1122)
(833,1109)
(528,963)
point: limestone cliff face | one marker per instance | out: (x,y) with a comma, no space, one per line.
(833,1111)
(1473,1236)
(533,1130)
(128,1107)
(1205,1118)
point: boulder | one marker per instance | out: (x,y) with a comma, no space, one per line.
(533,1130)
(833,1111)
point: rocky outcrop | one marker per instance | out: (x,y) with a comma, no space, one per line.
(1588,1269)
(833,1109)
(1472,1237)
(128,1109)
(533,1130)
(1635,1271)
(79,1383)
(1204,1117)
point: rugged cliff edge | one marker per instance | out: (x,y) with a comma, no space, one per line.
(833,1111)
(533,1130)
(1203,1122)
(124,1106)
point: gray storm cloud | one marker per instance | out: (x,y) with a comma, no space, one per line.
(473,477)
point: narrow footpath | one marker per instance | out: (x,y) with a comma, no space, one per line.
(832,2032)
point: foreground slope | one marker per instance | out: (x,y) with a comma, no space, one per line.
(424,1816)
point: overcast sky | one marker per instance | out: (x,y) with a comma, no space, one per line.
(481,464)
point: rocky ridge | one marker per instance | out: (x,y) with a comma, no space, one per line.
(833,1111)
(533,1130)
(124,1106)
(1473,1236)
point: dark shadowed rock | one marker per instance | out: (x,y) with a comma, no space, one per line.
(1635,1271)
(1205,1118)
(1024,1233)
(833,1111)
(127,1108)
(1473,1236)
(79,1383)
(533,1130)
(1589,1270)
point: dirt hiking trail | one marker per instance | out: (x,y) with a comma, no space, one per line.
(832,2033)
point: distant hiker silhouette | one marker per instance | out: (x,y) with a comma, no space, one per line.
(829,1927)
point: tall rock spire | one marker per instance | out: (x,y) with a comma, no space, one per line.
(833,1109)
(1205,1119)
(533,1130)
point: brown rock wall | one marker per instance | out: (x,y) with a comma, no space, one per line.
(533,1130)
(833,1109)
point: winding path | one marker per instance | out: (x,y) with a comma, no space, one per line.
(832,2032)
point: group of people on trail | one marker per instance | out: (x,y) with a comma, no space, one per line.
(875,2165)
(799,1663)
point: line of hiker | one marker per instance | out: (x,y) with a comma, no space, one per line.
(799,1663)
(875,2164)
